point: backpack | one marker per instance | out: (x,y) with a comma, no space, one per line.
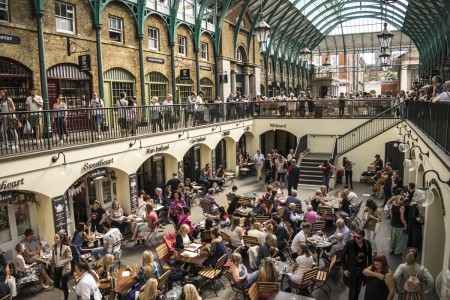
(412,284)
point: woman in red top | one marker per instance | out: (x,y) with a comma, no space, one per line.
(152,219)
(327,168)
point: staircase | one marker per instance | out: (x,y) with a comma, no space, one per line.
(310,173)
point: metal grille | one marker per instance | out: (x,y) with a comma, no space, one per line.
(66,71)
(9,67)
(117,87)
(206,85)
(118,74)
(157,84)
(184,87)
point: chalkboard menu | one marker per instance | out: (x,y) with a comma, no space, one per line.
(213,161)
(60,211)
(133,192)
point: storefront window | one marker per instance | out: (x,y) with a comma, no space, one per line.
(184,89)
(22,213)
(5,230)
(157,85)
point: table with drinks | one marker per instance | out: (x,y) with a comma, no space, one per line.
(321,243)
(280,295)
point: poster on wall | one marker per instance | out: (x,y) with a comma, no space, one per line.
(213,161)
(133,192)
(59,207)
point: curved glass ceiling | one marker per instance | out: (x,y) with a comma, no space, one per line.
(326,14)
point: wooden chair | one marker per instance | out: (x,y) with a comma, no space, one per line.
(206,236)
(327,214)
(319,225)
(253,292)
(245,201)
(162,282)
(307,283)
(337,264)
(7,297)
(151,235)
(206,207)
(250,241)
(164,256)
(266,288)
(262,219)
(237,288)
(212,275)
(227,240)
(288,251)
(321,279)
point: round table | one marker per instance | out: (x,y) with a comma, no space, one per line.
(321,244)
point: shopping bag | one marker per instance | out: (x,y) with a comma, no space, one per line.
(12,286)
(27,129)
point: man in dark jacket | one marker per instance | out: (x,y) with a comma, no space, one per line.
(356,256)
(293,176)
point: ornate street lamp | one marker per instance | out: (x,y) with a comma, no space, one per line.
(305,53)
(262,30)
(326,64)
(384,56)
(385,37)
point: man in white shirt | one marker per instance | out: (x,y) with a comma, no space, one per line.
(282,104)
(291,155)
(300,238)
(34,104)
(122,104)
(96,115)
(259,162)
(87,286)
(168,112)
(189,108)
(352,197)
(112,236)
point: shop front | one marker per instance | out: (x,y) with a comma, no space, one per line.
(16,79)
(152,174)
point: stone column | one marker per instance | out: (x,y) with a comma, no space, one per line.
(246,83)
(233,81)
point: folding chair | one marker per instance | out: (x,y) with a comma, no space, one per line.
(319,225)
(327,214)
(28,283)
(237,288)
(206,207)
(265,289)
(288,251)
(353,221)
(307,283)
(206,236)
(253,292)
(262,219)
(212,275)
(164,256)
(245,201)
(244,172)
(321,279)
(227,240)
(7,297)
(148,236)
(162,282)
(250,241)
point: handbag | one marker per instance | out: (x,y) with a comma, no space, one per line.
(14,122)
(12,286)
(27,129)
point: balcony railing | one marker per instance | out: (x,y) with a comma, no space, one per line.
(433,119)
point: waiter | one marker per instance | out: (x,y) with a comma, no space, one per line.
(259,161)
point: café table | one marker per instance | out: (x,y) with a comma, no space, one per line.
(195,258)
(280,295)
(251,196)
(244,212)
(321,244)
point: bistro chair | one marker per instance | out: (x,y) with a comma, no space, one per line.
(206,236)
(250,241)
(148,236)
(206,207)
(307,283)
(262,219)
(288,251)
(327,214)
(265,289)
(162,282)
(318,226)
(237,288)
(253,292)
(227,240)
(322,277)
(245,201)
(164,256)
(212,275)
(7,297)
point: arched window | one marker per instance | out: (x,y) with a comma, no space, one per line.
(270,68)
(156,85)
(239,56)
(184,89)
(117,80)
(16,79)
(207,86)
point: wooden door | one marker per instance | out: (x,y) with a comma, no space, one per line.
(53,91)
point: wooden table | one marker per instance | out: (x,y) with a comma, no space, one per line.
(287,296)
(197,260)
(123,284)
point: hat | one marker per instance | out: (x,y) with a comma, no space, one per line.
(378,155)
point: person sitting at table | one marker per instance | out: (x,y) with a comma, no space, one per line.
(79,240)
(260,208)
(256,231)
(268,248)
(233,194)
(352,197)
(60,259)
(220,174)
(269,272)
(279,189)
(282,234)
(176,207)
(209,223)
(161,200)
(276,202)
(240,274)
(267,230)
(149,291)
(216,249)
(236,233)
(344,207)
(301,237)
(33,250)
(23,269)
(190,292)
(141,203)
(234,205)
(223,217)
(116,216)
(188,185)
(87,287)
(304,261)
(328,256)
(148,269)
(145,226)
(343,229)
(317,200)
(105,268)
(290,216)
(205,174)
(310,215)
(185,219)
(183,238)
(323,190)
(293,198)
(211,200)
(249,221)
(110,238)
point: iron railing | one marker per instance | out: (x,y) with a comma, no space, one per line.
(433,119)
(302,145)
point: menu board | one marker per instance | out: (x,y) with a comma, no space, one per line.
(59,207)
(213,161)
(133,192)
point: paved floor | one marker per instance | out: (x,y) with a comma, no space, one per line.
(132,255)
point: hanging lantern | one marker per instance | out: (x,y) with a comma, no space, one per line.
(385,37)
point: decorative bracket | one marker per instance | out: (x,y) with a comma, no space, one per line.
(72,48)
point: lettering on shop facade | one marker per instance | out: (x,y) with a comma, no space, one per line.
(278,125)
(60,213)
(102,162)
(9,39)
(198,139)
(155,60)
(157,149)
(204,68)
(6,185)
(225,133)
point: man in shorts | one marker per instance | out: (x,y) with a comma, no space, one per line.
(96,115)
(34,104)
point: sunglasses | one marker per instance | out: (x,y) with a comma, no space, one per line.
(358,237)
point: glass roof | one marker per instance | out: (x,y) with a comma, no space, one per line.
(325,14)
(360,26)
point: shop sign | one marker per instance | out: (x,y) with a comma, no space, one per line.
(5,196)
(102,162)
(198,139)
(6,185)
(225,133)
(99,173)
(60,216)
(157,157)
(205,68)
(133,192)
(84,62)
(278,125)
(155,60)
(9,39)
(157,149)
(185,74)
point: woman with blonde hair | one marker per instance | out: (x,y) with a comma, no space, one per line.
(183,238)
(149,291)
(304,262)
(149,269)
(105,268)
(398,223)
(236,233)
(190,292)
(240,274)
(269,272)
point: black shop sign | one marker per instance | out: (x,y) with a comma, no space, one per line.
(60,213)
(155,60)
(133,192)
(84,62)
(9,39)
(185,74)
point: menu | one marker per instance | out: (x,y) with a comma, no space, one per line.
(133,192)
(59,207)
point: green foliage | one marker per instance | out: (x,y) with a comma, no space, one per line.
(392,75)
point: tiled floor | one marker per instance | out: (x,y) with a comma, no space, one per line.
(132,255)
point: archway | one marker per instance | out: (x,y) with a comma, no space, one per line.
(281,140)
(194,160)
(16,79)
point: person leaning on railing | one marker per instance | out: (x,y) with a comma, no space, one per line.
(445,95)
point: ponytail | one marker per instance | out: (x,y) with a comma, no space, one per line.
(411,256)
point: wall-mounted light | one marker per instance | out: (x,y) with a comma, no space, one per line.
(181,134)
(424,196)
(65,168)
(246,128)
(140,150)
(237,124)
(215,127)
(410,163)
(404,146)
